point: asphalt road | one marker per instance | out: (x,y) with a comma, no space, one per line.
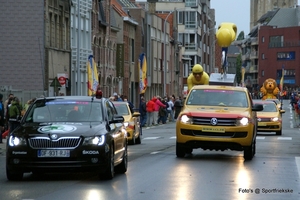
(154,172)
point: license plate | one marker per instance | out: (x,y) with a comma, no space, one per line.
(53,153)
(262,124)
(218,130)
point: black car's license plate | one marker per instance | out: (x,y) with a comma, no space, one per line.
(53,153)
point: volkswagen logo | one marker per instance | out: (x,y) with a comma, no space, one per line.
(53,136)
(259,119)
(214,121)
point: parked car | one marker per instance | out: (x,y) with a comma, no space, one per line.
(269,119)
(68,133)
(131,121)
(217,118)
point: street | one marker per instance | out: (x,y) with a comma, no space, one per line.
(155,173)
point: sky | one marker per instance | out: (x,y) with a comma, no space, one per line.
(234,11)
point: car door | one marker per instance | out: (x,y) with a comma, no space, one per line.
(116,131)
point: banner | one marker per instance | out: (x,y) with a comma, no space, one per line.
(142,64)
(92,76)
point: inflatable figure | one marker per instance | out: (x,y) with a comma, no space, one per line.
(269,89)
(225,35)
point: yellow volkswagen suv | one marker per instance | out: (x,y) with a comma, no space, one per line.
(217,118)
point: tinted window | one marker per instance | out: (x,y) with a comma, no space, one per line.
(122,109)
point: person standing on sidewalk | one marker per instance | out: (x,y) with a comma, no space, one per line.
(143,112)
(150,112)
(170,110)
(2,120)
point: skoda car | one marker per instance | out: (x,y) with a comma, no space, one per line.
(217,118)
(131,121)
(71,133)
(269,119)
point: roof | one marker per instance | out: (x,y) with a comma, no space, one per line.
(221,87)
(285,17)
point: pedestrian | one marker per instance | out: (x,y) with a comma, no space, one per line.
(170,110)
(150,111)
(158,105)
(143,112)
(177,107)
(117,98)
(14,114)
(2,120)
(162,112)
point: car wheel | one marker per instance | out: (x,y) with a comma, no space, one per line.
(13,176)
(132,141)
(122,167)
(250,151)
(180,151)
(110,170)
(279,132)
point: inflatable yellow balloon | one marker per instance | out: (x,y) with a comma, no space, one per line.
(226,34)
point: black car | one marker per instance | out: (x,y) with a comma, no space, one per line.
(71,133)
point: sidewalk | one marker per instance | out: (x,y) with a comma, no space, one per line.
(3,147)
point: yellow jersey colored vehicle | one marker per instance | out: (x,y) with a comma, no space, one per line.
(131,121)
(217,118)
(277,102)
(269,119)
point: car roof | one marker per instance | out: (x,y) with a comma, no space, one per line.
(262,101)
(81,98)
(221,87)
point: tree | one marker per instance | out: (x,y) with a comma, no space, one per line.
(241,36)
(239,68)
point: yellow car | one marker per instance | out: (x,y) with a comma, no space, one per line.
(269,119)
(131,121)
(277,102)
(217,118)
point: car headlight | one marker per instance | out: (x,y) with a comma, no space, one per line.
(97,140)
(16,141)
(126,124)
(186,119)
(243,121)
(275,119)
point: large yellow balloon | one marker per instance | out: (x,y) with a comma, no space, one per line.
(226,34)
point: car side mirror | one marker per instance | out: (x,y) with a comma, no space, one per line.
(136,114)
(117,119)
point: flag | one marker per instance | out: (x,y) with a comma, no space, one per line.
(142,64)
(243,76)
(281,80)
(92,76)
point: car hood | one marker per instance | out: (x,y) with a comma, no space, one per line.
(216,111)
(61,129)
(267,114)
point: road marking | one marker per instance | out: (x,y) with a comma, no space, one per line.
(260,137)
(155,152)
(174,137)
(284,138)
(151,138)
(297,159)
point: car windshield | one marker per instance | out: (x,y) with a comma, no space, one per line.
(216,97)
(65,111)
(122,109)
(269,107)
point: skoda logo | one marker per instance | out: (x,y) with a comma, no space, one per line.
(214,121)
(53,136)
(57,129)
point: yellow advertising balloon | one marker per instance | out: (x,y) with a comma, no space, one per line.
(226,34)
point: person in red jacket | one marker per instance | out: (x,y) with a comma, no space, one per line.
(150,108)
(158,104)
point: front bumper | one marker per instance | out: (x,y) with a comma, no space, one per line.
(269,126)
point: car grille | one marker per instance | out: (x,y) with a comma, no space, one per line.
(221,121)
(211,134)
(47,143)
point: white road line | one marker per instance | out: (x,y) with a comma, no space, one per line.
(284,138)
(297,159)
(260,137)
(174,137)
(155,152)
(151,138)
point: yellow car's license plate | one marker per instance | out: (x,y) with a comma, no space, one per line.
(262,124)
(219,130)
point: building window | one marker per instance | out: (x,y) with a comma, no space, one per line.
(262,73)
(263,56)
(262,39)
(180,17)
(276,41)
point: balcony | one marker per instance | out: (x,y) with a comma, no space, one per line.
(190,46)
(254,41)
(246,56)
(252,69)
(254,55)
(190,25)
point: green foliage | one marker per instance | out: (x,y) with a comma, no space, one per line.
(241,36)
(239,68)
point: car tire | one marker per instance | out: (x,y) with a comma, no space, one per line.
(109,173)
(180,151)
(279,132)
(250,151)
(13,176)
(122,167)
